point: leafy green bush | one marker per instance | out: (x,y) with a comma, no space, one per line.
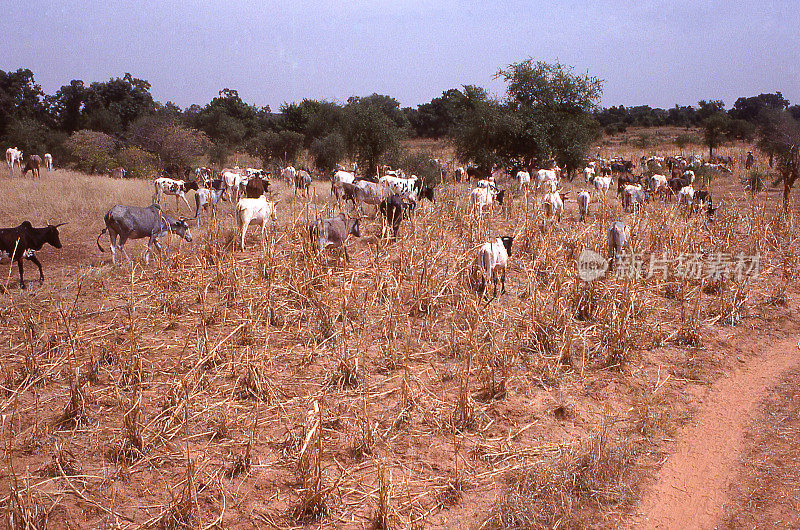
(91,151)
(137,163)
(419,163)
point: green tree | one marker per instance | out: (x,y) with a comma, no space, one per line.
(369,132)
(546,114)
(113,105)
(715,128)
(328,151)
(779,137)
(66,105)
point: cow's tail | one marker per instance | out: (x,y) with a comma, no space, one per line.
(98,239)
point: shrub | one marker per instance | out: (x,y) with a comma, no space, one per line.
(170,142)
(754,182)
(419,163)
(91,151)
(138,163)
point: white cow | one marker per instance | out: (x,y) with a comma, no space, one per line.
(602,184)
(546,178)
(524,179)
(492,262)
(257,211)
(657,183)
(13,156)
(338,178)
(205,197)
(688,175)
(232,180)
(588,173)
(686,195)
(48,161)
(481,198)
(553,204)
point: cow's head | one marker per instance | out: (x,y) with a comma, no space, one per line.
(507,242)
(499,196)
(51,235)
(181,228)
(427,193)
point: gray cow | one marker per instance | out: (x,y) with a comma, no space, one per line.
(618,236)
(302,181)
(135,222)
(334,232)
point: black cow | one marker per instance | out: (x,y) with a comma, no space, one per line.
(256,187)
(24,240)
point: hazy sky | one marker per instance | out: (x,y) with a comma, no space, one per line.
(648,52)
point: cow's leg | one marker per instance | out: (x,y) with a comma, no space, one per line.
(503,281)
(35,260)
(245,225)
(263,229)
(21,278)
(183,196)
(346,255)
(122,241)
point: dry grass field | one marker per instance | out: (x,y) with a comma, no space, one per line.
(273,387)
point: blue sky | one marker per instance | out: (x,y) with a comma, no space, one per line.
(658,53)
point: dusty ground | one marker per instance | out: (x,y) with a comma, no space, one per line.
(222,355)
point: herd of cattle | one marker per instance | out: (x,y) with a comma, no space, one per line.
(392,192)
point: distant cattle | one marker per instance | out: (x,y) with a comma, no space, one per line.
(619,235)
(32,165)
(302,181)
(117,173)
(48,161)
(13,156)
(205,198)
(583,204)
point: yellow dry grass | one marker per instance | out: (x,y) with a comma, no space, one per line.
(278,387)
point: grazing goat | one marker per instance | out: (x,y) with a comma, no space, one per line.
(553,204)
(205,197)
(619,235)
(484,197)
(32,165)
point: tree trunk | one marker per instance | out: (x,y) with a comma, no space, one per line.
(786,189)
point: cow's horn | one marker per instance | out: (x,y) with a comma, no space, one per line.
(62,224)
